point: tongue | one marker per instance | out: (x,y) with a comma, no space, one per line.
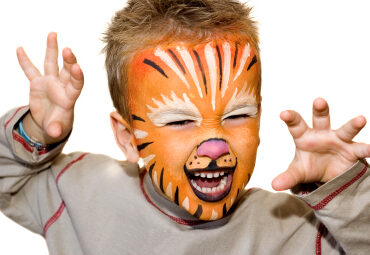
(207,183)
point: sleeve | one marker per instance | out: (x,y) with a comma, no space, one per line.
(24,174)
(343,207)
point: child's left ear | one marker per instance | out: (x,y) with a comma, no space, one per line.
(124,138)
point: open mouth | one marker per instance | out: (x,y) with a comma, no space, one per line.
(211,184)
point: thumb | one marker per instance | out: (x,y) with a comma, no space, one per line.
(54,129)
(288,179)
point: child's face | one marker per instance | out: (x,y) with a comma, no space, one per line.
(196,121)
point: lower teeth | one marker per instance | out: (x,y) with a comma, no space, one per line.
(220,186)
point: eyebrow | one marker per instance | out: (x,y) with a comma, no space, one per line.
(240,100)
(173,109)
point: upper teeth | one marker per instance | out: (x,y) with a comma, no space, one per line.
(210,175)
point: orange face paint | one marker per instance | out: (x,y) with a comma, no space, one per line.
(196,121)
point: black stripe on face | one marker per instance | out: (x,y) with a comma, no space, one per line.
(161,181)
(134,117)
(155,66)
(237,194)
(143,146)
(151,169)
(177,196)
(254,60)
(199,212)
(177,60)
(249,177)
(219,64)
(235,55)
(224,211)
(201,69)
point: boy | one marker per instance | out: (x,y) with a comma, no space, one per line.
(204,89)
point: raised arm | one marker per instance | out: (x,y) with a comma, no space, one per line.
(28,187)
(330,174)
(52,95)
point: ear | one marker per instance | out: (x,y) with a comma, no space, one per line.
(124,138)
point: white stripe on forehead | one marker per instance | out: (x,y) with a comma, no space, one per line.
(190,66)
(169,62)
(211,62)
(246,53)
(227,64)
(174,109)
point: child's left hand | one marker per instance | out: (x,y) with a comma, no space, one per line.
(321,153)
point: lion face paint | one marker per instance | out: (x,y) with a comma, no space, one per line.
(195,117)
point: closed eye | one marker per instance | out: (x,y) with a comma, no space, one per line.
(238,116)
(180,123)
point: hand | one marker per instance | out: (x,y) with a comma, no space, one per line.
(52,95)
(321,153)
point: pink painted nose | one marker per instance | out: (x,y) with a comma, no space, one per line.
(213,148)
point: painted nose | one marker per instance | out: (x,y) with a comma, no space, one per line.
(213,148)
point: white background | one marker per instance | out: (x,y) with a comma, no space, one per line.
(309,49)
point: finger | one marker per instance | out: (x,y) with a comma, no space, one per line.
(77,81)
(296,125)
(362,150)
(51,56)
(320,116)
(68,60)
(28,68)
(349,130)
(287,180)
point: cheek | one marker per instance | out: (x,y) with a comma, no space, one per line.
(244,140)
(173,146)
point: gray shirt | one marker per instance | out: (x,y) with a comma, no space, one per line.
(92,204)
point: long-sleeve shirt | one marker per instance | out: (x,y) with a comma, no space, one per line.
(92,204)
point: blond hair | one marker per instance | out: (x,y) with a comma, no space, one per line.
(146,23)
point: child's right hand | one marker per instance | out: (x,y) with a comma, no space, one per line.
(52,95)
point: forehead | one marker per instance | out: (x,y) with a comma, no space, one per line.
(208,73)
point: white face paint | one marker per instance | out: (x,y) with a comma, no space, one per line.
(226,67)
(139,134)
(245,55)
(190,66)
(209,52)
(148,159)
(173,110)
(171,64)
(242,103)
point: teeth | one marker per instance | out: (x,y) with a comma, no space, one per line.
(221,186)
(210,175)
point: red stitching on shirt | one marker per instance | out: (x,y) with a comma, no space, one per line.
(69,165)
(320,233)
(9,120)
(54,218)
(177,220)
(20,139)
(330,197)
(60,210)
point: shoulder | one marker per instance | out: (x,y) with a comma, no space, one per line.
(88,167)
(273,205)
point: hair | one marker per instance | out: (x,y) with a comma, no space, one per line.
(146,23)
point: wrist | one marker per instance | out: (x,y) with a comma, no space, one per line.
(37,134)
